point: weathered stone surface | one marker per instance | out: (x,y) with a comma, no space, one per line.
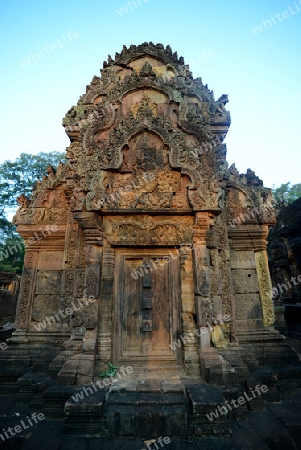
(170,386)
(48,282)
(204,398)
(50,261)
(149,423)
(245,281)
(247,306)
(151,385)
(242,260)
(45,306)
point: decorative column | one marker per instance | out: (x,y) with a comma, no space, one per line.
(191,362)
(90,256)
(105,308)
(202,278)
(25,297)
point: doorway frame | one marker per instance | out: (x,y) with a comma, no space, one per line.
(175,321)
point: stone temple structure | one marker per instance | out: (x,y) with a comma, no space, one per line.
(284,252)
(145,249)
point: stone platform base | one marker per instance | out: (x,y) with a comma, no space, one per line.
(136,413)
(146,408)
(146,405)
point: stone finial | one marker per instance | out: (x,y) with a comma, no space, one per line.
(23,201)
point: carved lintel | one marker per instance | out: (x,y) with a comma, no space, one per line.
(265,288)
(148,230)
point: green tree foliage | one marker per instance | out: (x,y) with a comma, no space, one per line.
(16,178)
(286,192)
(6,227)
(12,255)
(20,176)
(12,248)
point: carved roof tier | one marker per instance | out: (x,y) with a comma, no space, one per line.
(147,137)
(158,51)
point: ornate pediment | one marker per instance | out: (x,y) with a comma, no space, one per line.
(146,136)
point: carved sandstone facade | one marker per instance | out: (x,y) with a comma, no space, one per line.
(153,225)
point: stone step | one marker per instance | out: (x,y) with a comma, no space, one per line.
(55,398)
(9,380)
(234,359)
(156,370)
(32,385)
(147,408)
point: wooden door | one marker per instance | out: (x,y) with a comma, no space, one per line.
(147,310)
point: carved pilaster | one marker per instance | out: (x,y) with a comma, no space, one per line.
(188,311)
(212,283)
(92,281)
(201,259)
(93,260)
(80,277)
(265,288)
(69,258)
(71,240)
(26,291)
(201,254)
(106,304)
(81,250)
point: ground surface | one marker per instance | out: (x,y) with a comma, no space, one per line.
(276,427)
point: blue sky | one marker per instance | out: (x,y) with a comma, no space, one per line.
(259,70)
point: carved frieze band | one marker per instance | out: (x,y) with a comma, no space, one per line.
(149,230)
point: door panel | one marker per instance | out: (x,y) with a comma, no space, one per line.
(147,315)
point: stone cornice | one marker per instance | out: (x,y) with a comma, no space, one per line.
(248,237)
(90,224)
